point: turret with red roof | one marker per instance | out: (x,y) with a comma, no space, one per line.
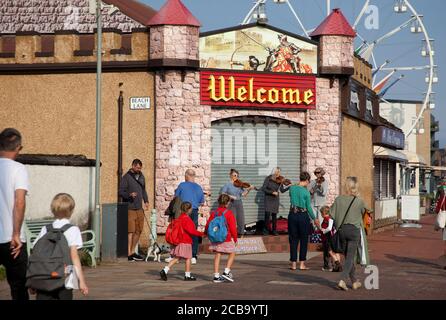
(336,37)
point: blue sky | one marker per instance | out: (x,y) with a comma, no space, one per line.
(403,49)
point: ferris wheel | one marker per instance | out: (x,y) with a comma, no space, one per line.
(384,51)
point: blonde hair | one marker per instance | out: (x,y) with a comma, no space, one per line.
(352,186)
(325,209)
(62,205)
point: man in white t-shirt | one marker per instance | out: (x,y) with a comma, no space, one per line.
(13,188)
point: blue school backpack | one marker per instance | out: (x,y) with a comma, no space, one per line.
(217,230)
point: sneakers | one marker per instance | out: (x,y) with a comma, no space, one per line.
(327,269)
(191,278)
(163,275)
(138,257)
(135,257)
(227,277)
(193,260)
(342,286)
(219,279)
(356,285)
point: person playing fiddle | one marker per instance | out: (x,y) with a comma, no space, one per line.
(318,189)
(274,183)
(237,190)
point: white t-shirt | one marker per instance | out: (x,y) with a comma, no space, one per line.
(13,176)
(73,234)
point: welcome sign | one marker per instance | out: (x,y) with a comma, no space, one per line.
(257,90)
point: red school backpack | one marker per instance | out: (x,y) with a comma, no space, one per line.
(174,232)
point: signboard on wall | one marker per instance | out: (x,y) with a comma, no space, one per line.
(388,137)
(257,90)
(258,48)
(139,103)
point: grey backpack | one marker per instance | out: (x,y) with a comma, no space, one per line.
(47,262)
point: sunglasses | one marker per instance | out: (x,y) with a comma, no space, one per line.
(354,179)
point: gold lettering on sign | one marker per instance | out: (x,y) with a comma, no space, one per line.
(223,89)
(307,95)
(241,94)
(291,96)
(273,92)
(260,92)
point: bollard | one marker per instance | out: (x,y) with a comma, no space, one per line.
(153,219)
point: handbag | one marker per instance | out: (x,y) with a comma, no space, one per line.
(440,222)
(338,245)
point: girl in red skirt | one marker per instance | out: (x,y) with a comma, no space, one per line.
(184,249)
(227,247)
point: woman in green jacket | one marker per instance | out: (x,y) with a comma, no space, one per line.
(352,233)
(299,226)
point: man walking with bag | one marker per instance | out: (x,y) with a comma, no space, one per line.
(13,188)
(133,191)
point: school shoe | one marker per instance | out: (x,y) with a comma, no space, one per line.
(341,285)
(163,275)
(219,279)
(228,277)
(356,285)
(193,260)
(191,278)
(138,257)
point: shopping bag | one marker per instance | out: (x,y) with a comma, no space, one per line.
(441,220)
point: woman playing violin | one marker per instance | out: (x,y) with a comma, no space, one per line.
(236,191)
(272,185)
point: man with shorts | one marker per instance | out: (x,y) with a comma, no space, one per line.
(133,191)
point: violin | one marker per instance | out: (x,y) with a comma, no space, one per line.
(245,185)
(282,180)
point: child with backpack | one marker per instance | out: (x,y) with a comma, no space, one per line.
(327,231)
(179,234)
(221,229)
(55,251)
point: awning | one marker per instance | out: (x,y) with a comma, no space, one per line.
(386,153)
(415,159)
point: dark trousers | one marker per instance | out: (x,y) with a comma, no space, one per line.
(237,209)
(274,221)
(350,237)
(61,294)
(194,217)
(326,245)
(15,271)
(298,232)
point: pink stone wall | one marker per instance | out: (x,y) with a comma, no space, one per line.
(47,16)
(336,51)
(183,138)
(174,42)
(322,135)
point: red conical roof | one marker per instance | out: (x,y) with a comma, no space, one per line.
(336,25)
(174,12)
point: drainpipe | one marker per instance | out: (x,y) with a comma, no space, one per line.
(120,121)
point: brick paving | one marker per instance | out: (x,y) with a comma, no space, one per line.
(410,263)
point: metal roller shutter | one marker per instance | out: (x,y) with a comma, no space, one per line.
(261,136)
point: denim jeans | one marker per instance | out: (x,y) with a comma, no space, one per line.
(15,271)
(298,232)
(194,217)
(350,237)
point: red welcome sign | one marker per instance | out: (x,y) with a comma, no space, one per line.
(257,90)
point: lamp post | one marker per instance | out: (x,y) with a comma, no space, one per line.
(96,7)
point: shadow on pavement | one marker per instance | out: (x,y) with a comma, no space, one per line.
(307,278)
(412,260)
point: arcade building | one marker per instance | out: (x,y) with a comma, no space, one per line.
(251,97)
